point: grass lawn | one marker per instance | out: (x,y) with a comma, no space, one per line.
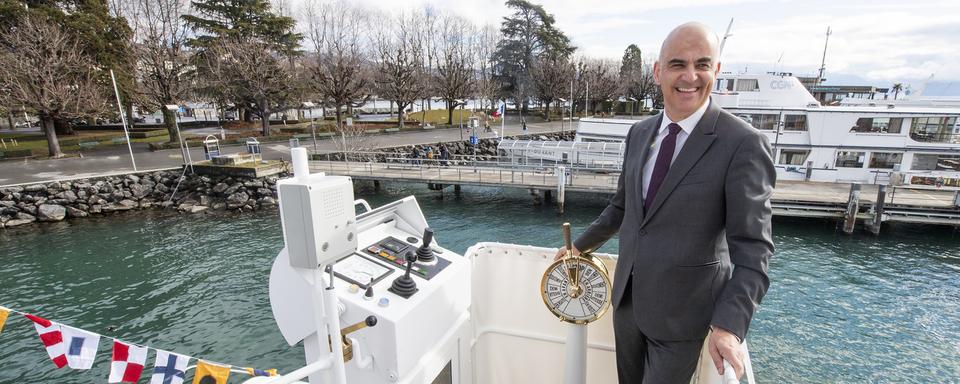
(439,116)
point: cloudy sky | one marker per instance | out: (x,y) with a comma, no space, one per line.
(874,42)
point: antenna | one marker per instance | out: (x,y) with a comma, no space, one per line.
(724,41)
(823,63)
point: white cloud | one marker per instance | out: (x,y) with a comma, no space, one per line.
(882,41)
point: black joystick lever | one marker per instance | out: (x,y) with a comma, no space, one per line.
(404,286)
(425,253)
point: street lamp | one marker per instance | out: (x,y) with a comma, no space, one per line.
(633,105)
(184,152)
(313,129)
(460,102)
(563,104)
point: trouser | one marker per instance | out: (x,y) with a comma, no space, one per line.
(641,359)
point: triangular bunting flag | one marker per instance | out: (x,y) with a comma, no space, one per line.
(52,339)
(4,313)
(169,368)
(81,347)
(209,373)
(127,363)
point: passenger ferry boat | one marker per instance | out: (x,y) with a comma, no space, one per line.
(872,142)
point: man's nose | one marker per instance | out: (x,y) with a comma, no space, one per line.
(689,74)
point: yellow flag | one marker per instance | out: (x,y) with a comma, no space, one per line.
(3,317)
(208,373)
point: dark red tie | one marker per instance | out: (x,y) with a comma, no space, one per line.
(660,168)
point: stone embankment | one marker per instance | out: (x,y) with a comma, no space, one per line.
(57,201)
(484,150)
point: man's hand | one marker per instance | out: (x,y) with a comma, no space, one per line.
(563,252)
(725,346)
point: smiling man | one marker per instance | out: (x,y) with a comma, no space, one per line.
(692,210)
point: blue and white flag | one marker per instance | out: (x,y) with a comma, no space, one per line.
(81,346)
(169,368)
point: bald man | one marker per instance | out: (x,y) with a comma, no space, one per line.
(692,210)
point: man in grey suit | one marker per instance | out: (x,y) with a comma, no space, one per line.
(692,210)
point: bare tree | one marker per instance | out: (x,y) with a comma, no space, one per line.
(255,74)
(596,81)
(399,59)
(338,68)
(487,86)
(551,76)
(455,76)
(45,70)
(165,72)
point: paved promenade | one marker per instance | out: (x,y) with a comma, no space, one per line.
(117,159)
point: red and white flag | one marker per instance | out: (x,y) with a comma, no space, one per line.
(127,363)
(52,339)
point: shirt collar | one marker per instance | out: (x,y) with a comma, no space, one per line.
(687,124)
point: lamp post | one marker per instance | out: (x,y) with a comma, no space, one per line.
(563,105)
(461,102)
(184,152)
(633,105)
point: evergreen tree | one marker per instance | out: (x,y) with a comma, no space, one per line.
(528,33)
(241,19)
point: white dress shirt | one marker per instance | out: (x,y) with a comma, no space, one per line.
(687,126)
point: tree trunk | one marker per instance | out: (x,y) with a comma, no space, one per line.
(129,112)
(52,143)
(339,115)
(547,114)
(170,121)
(62,127)
(450,108)
(265,123)
(400,116)
(10,121)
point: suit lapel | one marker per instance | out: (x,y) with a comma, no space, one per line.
(693,149)
(646,141)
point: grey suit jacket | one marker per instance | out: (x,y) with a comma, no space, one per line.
(699,256)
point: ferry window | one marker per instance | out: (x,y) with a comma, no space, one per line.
(795,122)
(878,125)
(760,121)
(730,84)
(885,160)
(792,156)
(934,129)
(747,85)
(934,162)
(846,159)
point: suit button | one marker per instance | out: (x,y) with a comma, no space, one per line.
(643,232)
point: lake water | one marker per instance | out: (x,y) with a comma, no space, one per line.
(840,308)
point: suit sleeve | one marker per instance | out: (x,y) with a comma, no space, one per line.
(608,223)
(749,184)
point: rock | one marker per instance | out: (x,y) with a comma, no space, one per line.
(253,184)
(237,199)
(146,203)
(184,207)
(123,205)
(82,194)
(70,196)
(268,201)
(133,178)
(138,191)
(231,190)
(166,204)
(74,212)
(264,192)
(197,209)
(7,204)
(16,222)
(51,212)
(205,200)
(29,208)
(205,180)
(220,187)
(12,190)
(34,188)
(161,188)
(25,216)
(12,211)
(128,204)
(219,205)
(96,208)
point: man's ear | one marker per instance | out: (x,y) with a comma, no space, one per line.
(656,72)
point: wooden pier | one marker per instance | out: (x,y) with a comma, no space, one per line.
(850,203)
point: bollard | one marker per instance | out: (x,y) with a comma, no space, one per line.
(874,225)
(853,205)
(809,172)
